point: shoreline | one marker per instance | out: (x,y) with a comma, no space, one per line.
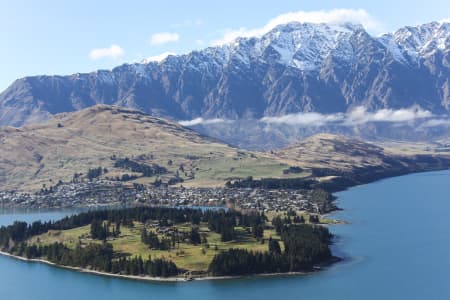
(331,261)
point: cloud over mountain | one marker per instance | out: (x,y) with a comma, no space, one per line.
(161,38)
(114,51)
(357,116)
(201,121)
(158,58)
(334,16)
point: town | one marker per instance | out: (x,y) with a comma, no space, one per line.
(106,193)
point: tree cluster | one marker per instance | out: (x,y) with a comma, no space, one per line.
(194,236)
(99,257)
(272,183)
(305,246)
(224,225)
(280,224)
(137,266)
(243,262)
(134,166)
(95,172)
(101,230)
(292,170)
(151,239)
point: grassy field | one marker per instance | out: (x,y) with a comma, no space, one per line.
(185,255)
(240,165)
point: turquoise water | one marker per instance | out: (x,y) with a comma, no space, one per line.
(396,247)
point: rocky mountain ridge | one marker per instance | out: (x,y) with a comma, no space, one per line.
(294,68)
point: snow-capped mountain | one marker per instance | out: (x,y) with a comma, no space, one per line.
(303,46)
(296,67)
(423,40)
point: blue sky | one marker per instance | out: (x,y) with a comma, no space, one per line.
(65,37)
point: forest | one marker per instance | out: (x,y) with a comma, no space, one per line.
(305,246)
(146,170)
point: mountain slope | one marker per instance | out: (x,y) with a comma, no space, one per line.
(340,162)
(100,136)
(333,152)
(297,67)
(133,147)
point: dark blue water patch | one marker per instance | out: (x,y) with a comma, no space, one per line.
(397,245)
(8,216)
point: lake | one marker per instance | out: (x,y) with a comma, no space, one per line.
(396,247)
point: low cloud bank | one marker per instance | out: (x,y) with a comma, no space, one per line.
(436,123)
(201,121)
(357,116)
(305,119)
(360,115)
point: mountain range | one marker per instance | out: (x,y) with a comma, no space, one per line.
(294,68)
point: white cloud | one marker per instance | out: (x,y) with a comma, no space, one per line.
(334,16)
(304,119)
(436,122)
(114,52)
(360,115)
(231,34)
(158,58)
(164,37)
(201,121)
(357,116)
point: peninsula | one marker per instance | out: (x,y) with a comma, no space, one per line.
(174,243)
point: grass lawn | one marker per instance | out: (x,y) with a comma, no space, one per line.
(241,165)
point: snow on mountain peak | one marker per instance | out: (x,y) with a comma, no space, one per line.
(423,40)
(305,46)
(157,58)
(297,44)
